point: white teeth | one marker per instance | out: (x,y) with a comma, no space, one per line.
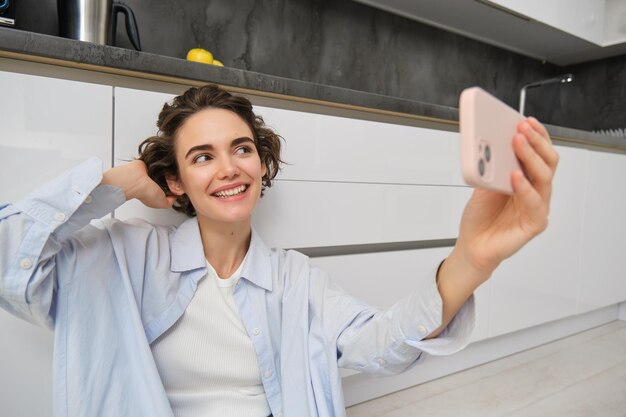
(231,192)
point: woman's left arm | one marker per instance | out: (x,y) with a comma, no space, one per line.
(494,226)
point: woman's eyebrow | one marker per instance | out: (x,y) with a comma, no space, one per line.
(205,147)
(209,147)
(241,140)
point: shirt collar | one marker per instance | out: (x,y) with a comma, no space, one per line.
(258,268)
(187,254)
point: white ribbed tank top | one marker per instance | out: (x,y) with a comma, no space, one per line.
(207,361)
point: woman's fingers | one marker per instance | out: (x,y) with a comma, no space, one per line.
(539,127)
(534,149)
(540,139)
(534,206)
(537,170)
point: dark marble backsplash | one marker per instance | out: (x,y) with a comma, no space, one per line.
(347,44)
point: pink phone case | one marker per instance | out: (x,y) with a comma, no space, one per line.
(487,128)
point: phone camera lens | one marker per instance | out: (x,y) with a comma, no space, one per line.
(487,153)
(481,167)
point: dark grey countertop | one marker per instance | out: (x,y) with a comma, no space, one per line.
(44,46)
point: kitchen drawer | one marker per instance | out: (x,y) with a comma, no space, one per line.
(329,148)
(300,214)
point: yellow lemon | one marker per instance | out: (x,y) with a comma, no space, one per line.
(200,55)
(218,63)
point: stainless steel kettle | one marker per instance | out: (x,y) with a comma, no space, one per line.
(7,12)
(95,21)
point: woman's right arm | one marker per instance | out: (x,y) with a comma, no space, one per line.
(132,178)
(35,230)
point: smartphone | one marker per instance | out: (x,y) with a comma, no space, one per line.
(487,128)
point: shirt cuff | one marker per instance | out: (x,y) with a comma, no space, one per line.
(455,336)
(421,314)
(71,200)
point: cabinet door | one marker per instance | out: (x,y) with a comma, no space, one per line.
(329,148)
(302,214)
(582,18)
(381,279)
(48,126)
(603,264)
(540,282)
(350,181)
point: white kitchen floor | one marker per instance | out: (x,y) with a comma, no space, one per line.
(583,375)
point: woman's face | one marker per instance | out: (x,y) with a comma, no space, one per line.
(219,166)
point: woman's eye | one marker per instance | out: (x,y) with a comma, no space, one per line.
(201,158)
(243,149)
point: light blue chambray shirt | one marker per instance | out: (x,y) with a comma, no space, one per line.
(109,290)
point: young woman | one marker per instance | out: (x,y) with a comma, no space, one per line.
(204,319)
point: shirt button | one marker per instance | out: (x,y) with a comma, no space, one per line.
(267,374)
(60,217)
(88,199)
(256,331)
(381,361)
(422,330)
(25,264)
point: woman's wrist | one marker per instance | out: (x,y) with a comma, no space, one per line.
(462,265)
(124,178)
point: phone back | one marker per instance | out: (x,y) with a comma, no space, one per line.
(487,128)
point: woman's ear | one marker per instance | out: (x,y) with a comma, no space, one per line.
(174,185)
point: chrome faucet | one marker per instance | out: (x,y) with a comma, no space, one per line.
(565,78)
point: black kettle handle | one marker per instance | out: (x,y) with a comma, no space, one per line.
(131,23)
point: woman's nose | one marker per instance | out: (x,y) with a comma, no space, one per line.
(228,168)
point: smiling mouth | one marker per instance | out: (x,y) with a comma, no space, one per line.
(231,192)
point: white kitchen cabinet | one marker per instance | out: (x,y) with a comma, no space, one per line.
(614,22)
(540,283)
(346,181)
(298,214)
(563,32)
(48,126)
(351,181)
(531,8)
(328,148)
(381,279)
(603,266)
(581,18)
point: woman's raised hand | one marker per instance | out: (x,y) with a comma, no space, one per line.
(495,226)
(133,179)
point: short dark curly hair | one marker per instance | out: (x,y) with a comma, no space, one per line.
(158,152)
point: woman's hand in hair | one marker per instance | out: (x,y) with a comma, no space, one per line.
(133,179)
